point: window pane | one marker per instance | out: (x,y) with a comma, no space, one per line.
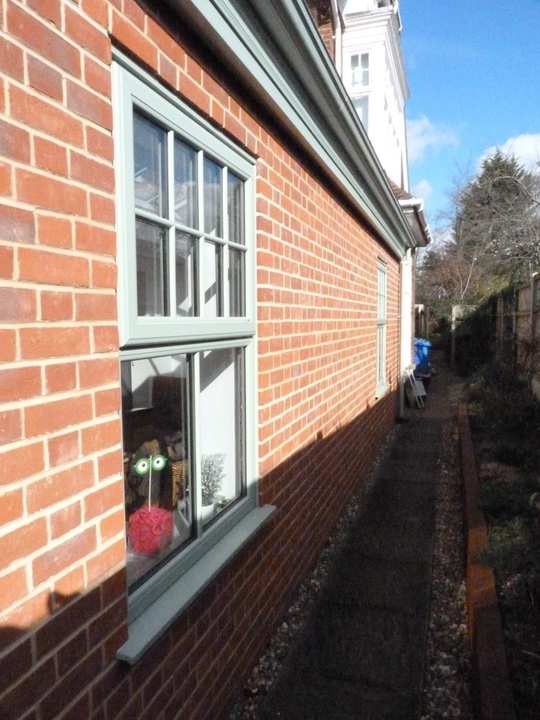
(236,283)
(159,510)
(151,269)
(212,198)
(221,429)
(362,108)
(150,166)
(186,273)
(212,275)
(235,200)
(185,184)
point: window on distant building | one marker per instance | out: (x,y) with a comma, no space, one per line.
(360,70)
(362,108)
(381,326)
(187,323)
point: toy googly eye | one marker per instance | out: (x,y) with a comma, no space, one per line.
(142,466)
(158,462)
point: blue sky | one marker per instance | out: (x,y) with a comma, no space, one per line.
(473,69)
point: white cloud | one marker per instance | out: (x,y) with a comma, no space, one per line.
(525,148)
(423,135)
(422,189)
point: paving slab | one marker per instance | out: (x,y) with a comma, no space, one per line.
(361,653)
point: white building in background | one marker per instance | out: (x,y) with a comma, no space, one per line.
(373,73)
(363,38)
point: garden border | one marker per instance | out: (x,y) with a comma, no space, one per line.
(492,690)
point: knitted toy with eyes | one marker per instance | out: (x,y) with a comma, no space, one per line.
(150,527)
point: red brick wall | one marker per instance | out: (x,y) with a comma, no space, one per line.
(62,584)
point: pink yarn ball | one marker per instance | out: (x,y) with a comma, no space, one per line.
(150,530)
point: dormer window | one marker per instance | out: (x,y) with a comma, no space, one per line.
(360,70)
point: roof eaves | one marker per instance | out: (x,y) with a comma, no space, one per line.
(275,49)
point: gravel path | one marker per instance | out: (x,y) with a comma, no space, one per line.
(446,684)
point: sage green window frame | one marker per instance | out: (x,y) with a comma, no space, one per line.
(158,601)
(382,317)
(136,92)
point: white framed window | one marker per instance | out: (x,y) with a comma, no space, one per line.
(381,326)
(187,324)
(361,105)
(359,68)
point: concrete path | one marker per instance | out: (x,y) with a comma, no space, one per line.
(361,654)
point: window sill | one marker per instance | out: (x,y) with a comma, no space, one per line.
(382,390)
(159,616)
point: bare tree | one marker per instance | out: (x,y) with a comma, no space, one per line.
(492,238)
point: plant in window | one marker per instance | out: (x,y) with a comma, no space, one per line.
(212,476)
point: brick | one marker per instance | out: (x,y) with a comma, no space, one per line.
(101,436)
(56,306)
(12,508)
(8,345)
(71,584)
(19,383)
(24,615)
(11,59)
(109,464)
(16,224)
(95,307)
(17,304)
(14,142)
(100,144)
(44,78)
(108,622)
(89,105)
(60,377)
(99,240)
(55,231)
(105,338)
(50,156)
(65,519)
(87,35)
(43,40)
(72,612)
(70,653)
(16,663)
(59,487)
(10,425)
(6,184)
(53,268)
(130,37)
(28,691)
(50,192)
(103,500)
(102,209)
(49,10)
(91,172)
(57,415)
(63,449)
(21,462)
(99,371)
(106,561)
(45,342)
(112,525)
(97,10)
(107,402)
(104,274)
(42,115)
(7,255)
(23,541)
(62,556)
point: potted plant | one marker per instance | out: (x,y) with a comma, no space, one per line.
(212,475)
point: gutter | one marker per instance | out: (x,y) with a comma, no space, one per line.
(275,50)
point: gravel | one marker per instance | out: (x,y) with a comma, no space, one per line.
(447,663)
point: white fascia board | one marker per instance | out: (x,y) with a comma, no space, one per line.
(275,50)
